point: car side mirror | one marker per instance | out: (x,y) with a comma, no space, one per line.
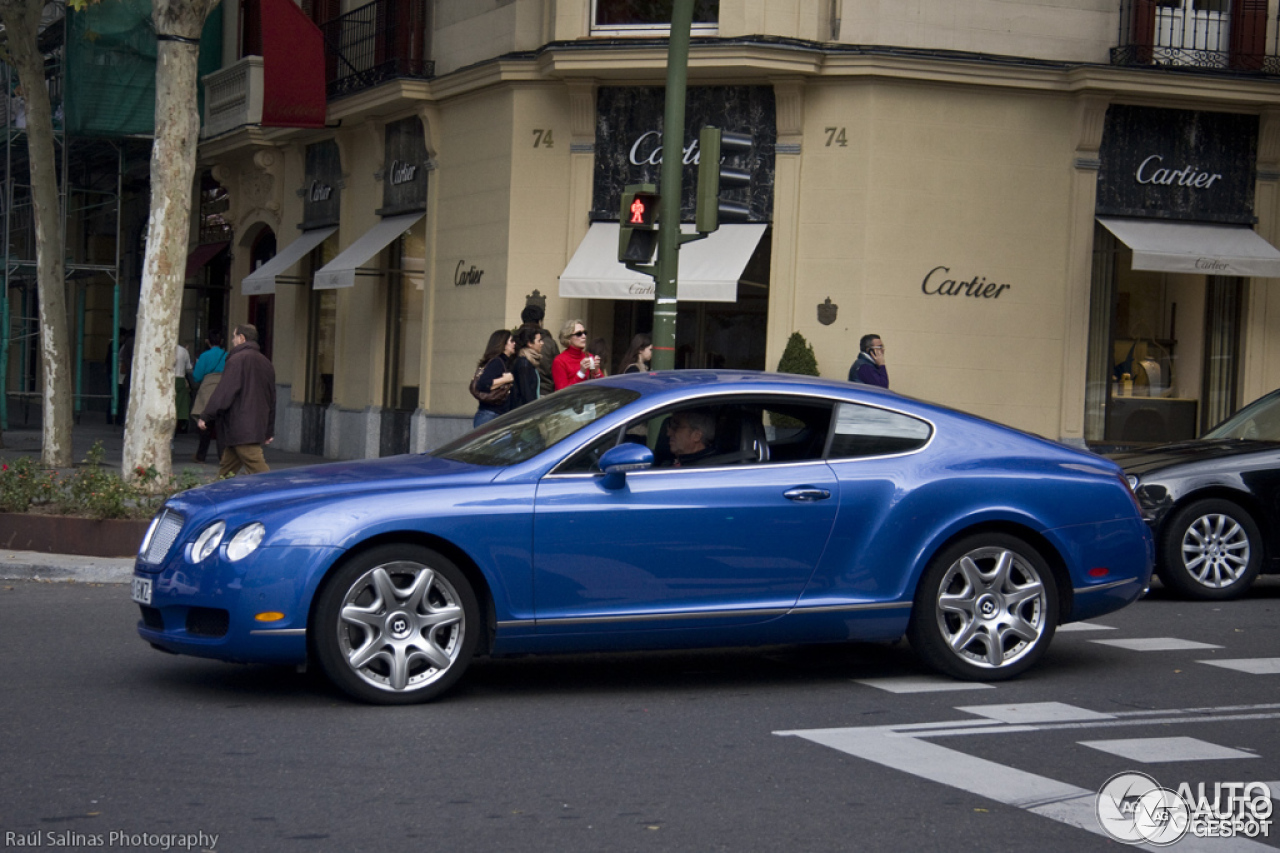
(618,460)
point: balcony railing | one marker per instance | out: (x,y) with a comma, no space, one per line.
(377,42)
(1234,35)
(233,96)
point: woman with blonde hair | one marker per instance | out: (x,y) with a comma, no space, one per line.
(574,364)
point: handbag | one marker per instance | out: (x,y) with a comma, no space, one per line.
(207,385)
(494,396)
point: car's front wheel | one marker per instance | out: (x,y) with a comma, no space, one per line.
(395,625)
(986,608)
(1211,550)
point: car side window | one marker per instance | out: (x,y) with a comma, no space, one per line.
(862,431)
(744,432)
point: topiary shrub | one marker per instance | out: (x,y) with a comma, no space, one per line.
(798,357)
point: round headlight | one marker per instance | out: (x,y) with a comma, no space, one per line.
(1133,481)
(208,541)
(246,541)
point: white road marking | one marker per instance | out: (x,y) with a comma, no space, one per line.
(1158,750)
(1084,626)
(906,748)
(1035,712)
(922,684)
(1253,666)
(1156,644)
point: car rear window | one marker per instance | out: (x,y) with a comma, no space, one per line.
(862,431)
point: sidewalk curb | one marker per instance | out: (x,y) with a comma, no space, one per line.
(33,565)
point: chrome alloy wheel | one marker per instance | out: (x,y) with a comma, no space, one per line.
(1215,550)
(401,626)
(991,607)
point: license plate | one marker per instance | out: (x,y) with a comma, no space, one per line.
(142,590)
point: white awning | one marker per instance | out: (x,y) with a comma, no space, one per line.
(1162,245)
(341,271)
(263,279)
(709,269)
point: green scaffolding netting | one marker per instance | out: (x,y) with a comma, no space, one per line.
(110,81)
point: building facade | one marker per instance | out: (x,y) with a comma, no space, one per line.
(1057,215)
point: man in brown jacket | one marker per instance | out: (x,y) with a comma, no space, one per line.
(243,406)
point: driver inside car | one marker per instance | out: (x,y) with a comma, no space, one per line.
(692,436)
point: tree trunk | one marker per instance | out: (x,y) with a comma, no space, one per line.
(151,419)
(21,20)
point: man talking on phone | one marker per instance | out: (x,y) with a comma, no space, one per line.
(868,368)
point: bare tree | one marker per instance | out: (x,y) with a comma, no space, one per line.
(151,419)
(21,19)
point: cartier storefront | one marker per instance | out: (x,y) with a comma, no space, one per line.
(1174,251)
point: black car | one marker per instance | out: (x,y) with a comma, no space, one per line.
(1212,503)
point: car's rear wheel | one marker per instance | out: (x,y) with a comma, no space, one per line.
(396,625)
(1211,550)
(986,608)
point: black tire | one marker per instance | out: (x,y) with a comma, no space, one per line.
(1211,550)
(986,608)
(410,627)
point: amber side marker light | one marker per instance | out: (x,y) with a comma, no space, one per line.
(1093,573)
(269,616)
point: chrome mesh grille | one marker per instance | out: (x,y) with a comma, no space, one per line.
(164,532)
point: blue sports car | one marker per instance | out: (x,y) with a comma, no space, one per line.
(676,509)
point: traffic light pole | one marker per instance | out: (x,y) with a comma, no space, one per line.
(667,271)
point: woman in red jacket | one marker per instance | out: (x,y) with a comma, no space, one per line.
(574,364)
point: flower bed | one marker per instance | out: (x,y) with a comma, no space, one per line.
(89,491)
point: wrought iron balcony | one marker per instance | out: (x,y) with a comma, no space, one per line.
(1228,35)
(381,41)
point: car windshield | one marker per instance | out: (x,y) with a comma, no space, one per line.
(529,430)
(1259,421)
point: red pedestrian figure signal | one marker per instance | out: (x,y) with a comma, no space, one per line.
(638,209)
(643,210)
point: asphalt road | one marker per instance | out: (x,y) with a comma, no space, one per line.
(110,744)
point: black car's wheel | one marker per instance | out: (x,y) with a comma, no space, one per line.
(986,608)
(396,625)
(1211,550)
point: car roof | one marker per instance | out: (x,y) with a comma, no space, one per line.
(756,380)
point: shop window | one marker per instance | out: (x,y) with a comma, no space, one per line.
(322,329)
(1163,351)
(620,17)
(405,278)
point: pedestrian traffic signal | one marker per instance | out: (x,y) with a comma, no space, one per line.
(715,145)
(638,223)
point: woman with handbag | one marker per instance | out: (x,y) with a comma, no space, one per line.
(208,372)
(491,385)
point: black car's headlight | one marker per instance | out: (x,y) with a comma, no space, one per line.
(1133,481)
(246,541)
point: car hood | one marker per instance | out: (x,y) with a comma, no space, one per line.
(290,486)
(1187,453)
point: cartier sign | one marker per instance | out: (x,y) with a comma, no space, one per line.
(939,282)
(404,180)
(1178,164)
(630,144)
(321,205)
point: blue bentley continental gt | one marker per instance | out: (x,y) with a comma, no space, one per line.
(675,509)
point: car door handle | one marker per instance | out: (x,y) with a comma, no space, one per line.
(806,494)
